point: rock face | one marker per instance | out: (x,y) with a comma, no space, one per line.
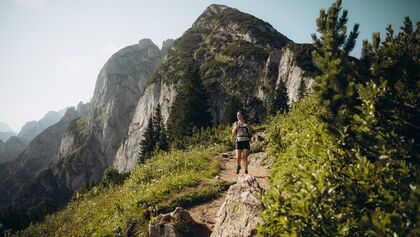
(11,149)
(31,129)
(238,215)
(19,179)
(178,223)
(291,64)
(90,145)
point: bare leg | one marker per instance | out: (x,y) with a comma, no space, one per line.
(245,154)
(238,156)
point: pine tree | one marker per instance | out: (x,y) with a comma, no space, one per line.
(301,89)
(189,108)
(159,130)
(335,87)
(148,143)
(231,106)
(278,101)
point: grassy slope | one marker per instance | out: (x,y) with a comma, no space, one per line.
(164,182)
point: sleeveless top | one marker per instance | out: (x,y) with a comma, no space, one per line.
(242,133)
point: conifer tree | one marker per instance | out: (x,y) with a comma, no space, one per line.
(335,87)
(159,130)
(231,106)
(148,143)
(302,89)
(190,106)
(278,101)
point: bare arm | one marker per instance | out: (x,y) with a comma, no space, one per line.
(235,127)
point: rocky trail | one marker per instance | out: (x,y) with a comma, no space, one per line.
(235,212)
(258,167)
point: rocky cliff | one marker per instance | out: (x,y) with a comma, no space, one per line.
(89,145)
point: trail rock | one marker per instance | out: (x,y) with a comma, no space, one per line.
(178,223)
(238,216)
(261,158)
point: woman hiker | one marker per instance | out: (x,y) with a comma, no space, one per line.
(242,131)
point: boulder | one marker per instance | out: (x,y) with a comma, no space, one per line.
(239,214)
(261,158)
(178,223)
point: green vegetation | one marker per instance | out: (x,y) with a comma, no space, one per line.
(178,178)
(302,55)
(155,137)
(80,129)
(189,108)
(336,84)
(277,99)
(112,177)
(232,105)
(347,155)
(246,50)
(147,143)
(302,91)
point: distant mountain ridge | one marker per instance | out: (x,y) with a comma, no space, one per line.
(5,132)
(15,144)
(32,128)
(11,148)
(4,127)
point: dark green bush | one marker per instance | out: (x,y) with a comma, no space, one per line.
(111,177)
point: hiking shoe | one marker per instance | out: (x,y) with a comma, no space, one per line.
(237,169)
(246,171)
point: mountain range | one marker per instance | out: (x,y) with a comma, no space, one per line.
(13,144)
(241,60)
(5,132)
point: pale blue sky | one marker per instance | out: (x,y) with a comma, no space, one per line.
(52,50)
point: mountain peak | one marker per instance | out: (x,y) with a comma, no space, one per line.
(215,9)
(4,127)
(232,21)
(166,44)
(146,42)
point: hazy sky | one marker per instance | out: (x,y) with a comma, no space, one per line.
(51,51)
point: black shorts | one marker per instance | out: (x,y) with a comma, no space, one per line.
(242,145)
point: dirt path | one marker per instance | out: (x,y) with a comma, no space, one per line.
(206,213)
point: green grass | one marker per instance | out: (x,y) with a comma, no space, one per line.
(180,178)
